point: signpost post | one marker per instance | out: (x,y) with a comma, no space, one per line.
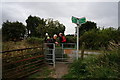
(78,22)
(77,41)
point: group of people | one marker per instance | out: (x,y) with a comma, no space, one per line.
(54,39)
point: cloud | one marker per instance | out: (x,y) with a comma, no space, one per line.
(13,12)
(60,0)
(103,13)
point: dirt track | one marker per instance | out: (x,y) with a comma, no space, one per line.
(60,70)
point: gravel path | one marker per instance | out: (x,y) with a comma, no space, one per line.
(61,69)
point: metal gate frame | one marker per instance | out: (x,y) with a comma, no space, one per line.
(47,49)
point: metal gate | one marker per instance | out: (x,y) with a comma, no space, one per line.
(59,53)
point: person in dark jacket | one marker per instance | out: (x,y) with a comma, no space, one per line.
(52,40)
(47,38)
(51,43)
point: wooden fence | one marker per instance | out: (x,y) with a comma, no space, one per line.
(21,62)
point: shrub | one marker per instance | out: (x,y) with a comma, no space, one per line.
(71,39)
(13,31)
(35,40)
(97,39)
(100,66)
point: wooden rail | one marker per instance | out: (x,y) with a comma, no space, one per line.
(19,49)
(24,66)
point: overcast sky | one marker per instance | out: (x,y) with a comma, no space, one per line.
(103,13)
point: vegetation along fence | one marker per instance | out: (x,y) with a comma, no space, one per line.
(21,62)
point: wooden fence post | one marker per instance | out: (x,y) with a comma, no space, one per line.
(82,50)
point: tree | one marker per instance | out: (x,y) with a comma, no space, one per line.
(37,27)
(96,39)
(119,28)
(54,27)
(41,30)
(13,31)
(112,34)
(32,23)
(91,39)
(87,26)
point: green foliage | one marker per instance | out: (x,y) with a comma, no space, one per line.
(87,27)
(41,30)
(35,40)
(98,66)
(91,39)
(111,34)
(37,27)
(97,39)
(71,39)
(54,27)
(32,24)
(13,31)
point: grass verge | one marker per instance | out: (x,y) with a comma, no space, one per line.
(45,72)
(96,66)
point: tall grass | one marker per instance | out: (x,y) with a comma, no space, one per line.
(98,66)
(29,42)
(11,57)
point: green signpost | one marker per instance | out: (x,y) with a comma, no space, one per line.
(78,21)
(74,19)
(82,20)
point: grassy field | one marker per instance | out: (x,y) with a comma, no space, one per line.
(17,45)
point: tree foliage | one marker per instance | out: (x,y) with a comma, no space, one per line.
(54,27)
(32,23)
(13,31)
(37,27)
(87,26)
(96,39)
